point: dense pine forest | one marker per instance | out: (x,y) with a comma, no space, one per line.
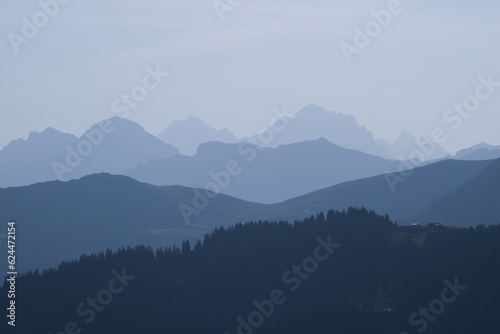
(347,272)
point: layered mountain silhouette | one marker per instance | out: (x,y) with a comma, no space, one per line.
(416,190)
(406,144)
(481,151)
(188,134)
(61,220)
(24,162)
(119,146)
(476,202)
(313,122)
(112,146)
(125,146)
(264,175)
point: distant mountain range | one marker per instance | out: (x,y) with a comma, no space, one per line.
(24,162)
(405,144)
(188,134)
(125,146)
(480,151)
(310,123)
(61,220)
(111,146)
(264,175)
(296,160)
(313,122)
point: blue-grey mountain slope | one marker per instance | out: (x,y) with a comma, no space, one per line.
(112,146)
(61,220)
(476,202)
(406,145)
(264,175)
(29,161)
(411,197)
(482,151)
(116,144)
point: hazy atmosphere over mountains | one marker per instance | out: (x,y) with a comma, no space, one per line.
(227,70)
(250,167)
(120,146)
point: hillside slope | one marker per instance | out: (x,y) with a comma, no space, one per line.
(476,202)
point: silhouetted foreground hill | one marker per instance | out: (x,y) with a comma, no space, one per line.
(62,220)
(351,272)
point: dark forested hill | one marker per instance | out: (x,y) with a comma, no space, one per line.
(348,272)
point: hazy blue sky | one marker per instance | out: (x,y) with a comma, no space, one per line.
(263,55)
